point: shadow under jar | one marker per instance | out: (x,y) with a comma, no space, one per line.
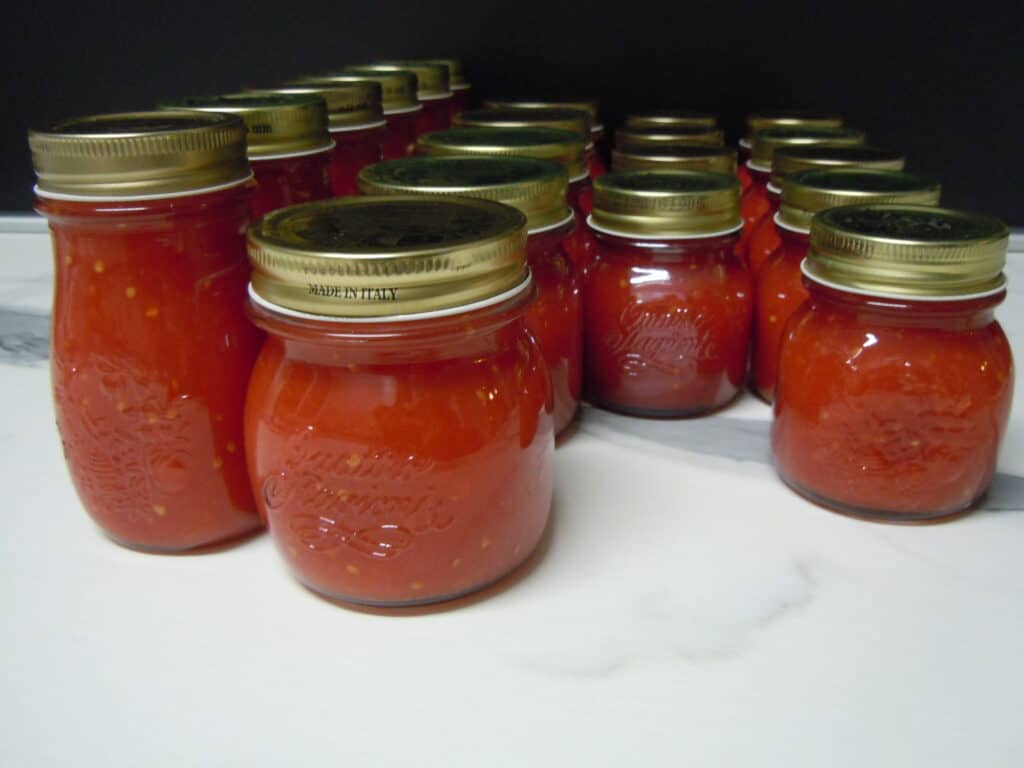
(401,442)
(895,380)
(758,202)
(567,147)
(538,189)
(764,238)
(150,347)
(777,119)
(356,125)
(667,303)
(288,145)
(778,286)
(399,105)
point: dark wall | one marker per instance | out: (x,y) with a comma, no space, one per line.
(943,86)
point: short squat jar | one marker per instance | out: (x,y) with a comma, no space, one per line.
(758,121)
(150,347)
(399,435)
(289,147)
(433,90)
(667,303)
(356,125)
(764,238)
(895,380)
(691,157)
(778,286)
(567,147)
(462,89)
(399,105)
(538,189)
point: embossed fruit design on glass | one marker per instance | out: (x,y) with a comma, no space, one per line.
(398,419)
(538,189)
(151,349)
(778,286)
(289,147)
(895,380)
(667,303)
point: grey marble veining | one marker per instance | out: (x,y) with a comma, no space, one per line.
(24,337)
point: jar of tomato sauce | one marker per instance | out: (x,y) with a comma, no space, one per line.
(150,347)
(289,147)
(764,238)
(647,139)
(895,380)
(432,89)
(462,90)
(356,125)
(778,286)
(399,105)
(567,147)
(670,119)
(597,148)
(756,202)
(786,118)
(692,157)
(666,303)
(538,189)
(398,421)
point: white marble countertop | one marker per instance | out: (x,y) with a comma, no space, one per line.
(686,609)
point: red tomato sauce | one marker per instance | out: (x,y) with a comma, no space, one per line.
(285,181)
(754,206)
(764,238)
(354,150)
(667,324)
(401,462)
(400,133)
(891,409)
(436,115)
(151,354)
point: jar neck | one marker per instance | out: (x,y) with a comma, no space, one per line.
(952,314)
(334,342)
(794,244)
(550,238)
(92,213)
(651,249)
(759,176)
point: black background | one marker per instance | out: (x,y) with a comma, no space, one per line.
(944,86)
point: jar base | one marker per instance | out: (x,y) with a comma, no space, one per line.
(508,577)
(212,547)
(879,516)
(659,413)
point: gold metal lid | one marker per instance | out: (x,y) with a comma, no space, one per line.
(632,140)
(371,257)
(576,120)
(790,118)
(565,147)
(590,106)
(787,160)
(535,187)
(666,204)
(398,88)
(768,140)
(670,118)
(456,74)
(349,105)
(805,193)
(690,157)
(908,251)
(139,154)
(431,79)
(276,124)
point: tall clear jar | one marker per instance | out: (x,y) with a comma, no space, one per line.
(150,348)
(895,380)
(399,433)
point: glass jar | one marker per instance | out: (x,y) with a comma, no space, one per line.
(778,286)
(462,91)
(150,347)
(538,189)
(666,303)
(288,145)
(895,380)
(755,204)
(669,119)
(567,147)
(647,140)
(764,239)
(692,157)
(432,89)
(356,125)
(786,118)
(399,105)
(398,418)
